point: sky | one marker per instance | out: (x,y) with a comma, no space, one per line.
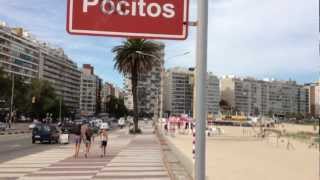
(258,38)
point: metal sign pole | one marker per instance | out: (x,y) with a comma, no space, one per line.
(201,79)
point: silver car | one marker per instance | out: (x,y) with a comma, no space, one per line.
(2,126)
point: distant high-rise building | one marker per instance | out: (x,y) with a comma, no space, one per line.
(263,97)
(24,56)
(314,98)
(179,93)
(213,94)
(149,89)
(108,90)
(89,91)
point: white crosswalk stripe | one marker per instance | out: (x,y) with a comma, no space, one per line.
(128,157)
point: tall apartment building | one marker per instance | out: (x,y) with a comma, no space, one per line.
(263,97)
(62,73)
(107,90)
(314,98)
(28,58)
(179,92)
(213,94)
(89,91)
(19,54)
(149,89)
(128,98)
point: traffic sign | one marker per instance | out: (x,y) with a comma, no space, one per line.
(129,18)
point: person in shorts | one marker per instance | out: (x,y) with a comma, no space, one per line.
(88,137)
(104,141)
(84,139)
(76,131)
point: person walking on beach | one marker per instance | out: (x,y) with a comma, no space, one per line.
(104,141)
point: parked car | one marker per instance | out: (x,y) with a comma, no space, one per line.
(45,132)
(2,126)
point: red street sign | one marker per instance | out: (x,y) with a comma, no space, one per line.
(163,19)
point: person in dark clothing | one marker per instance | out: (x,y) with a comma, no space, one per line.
(76,131)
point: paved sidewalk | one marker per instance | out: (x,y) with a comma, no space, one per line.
(128,157)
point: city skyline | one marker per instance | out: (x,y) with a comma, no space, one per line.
(290,47)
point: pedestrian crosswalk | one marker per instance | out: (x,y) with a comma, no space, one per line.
(20,167)
(128,157)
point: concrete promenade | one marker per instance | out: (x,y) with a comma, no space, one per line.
(128,157)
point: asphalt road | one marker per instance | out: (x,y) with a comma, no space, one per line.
(14,146)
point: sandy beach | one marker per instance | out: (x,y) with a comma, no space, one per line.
(233,156)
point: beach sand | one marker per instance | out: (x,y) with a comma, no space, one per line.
(233,156)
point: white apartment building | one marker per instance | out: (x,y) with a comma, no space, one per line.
(213,94)
(89,91)
(179,92)
(149,89)
(263,97)
(24,56)
(314,98)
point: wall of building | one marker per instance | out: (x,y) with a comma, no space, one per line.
(257,97)
(24,56)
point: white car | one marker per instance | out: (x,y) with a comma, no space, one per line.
(98,122)
(104,126)
(121,122)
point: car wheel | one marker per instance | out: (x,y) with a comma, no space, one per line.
(49,141)
(33,141)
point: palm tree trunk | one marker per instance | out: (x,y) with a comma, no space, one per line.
(134,82)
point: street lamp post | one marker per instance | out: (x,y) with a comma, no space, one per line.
(11,101)
(60,120)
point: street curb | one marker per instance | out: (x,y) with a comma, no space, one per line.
(182,160)
(15,132)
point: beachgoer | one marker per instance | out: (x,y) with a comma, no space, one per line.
(104,141)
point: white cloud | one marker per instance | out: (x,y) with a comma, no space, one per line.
(275,38)
(258,38)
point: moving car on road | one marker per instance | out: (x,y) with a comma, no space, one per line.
(45,132)
(121,122)
(105,126)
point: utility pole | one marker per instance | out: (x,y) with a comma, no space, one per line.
(11,100)
(201,76)
(60,110)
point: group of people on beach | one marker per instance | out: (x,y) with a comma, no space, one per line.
(82,133)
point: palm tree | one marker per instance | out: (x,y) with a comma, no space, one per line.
(133,58)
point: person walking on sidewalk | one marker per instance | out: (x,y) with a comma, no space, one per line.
(76,131)
(104,141)
(84,128)
(88,136)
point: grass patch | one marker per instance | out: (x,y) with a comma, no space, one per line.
(304,136)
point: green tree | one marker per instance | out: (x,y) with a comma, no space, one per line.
(4,88)
(131,63)
(116,107)
(46,101)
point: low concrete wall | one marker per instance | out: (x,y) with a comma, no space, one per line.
(186,162)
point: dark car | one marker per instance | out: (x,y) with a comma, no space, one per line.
(45,133)
(2,126)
